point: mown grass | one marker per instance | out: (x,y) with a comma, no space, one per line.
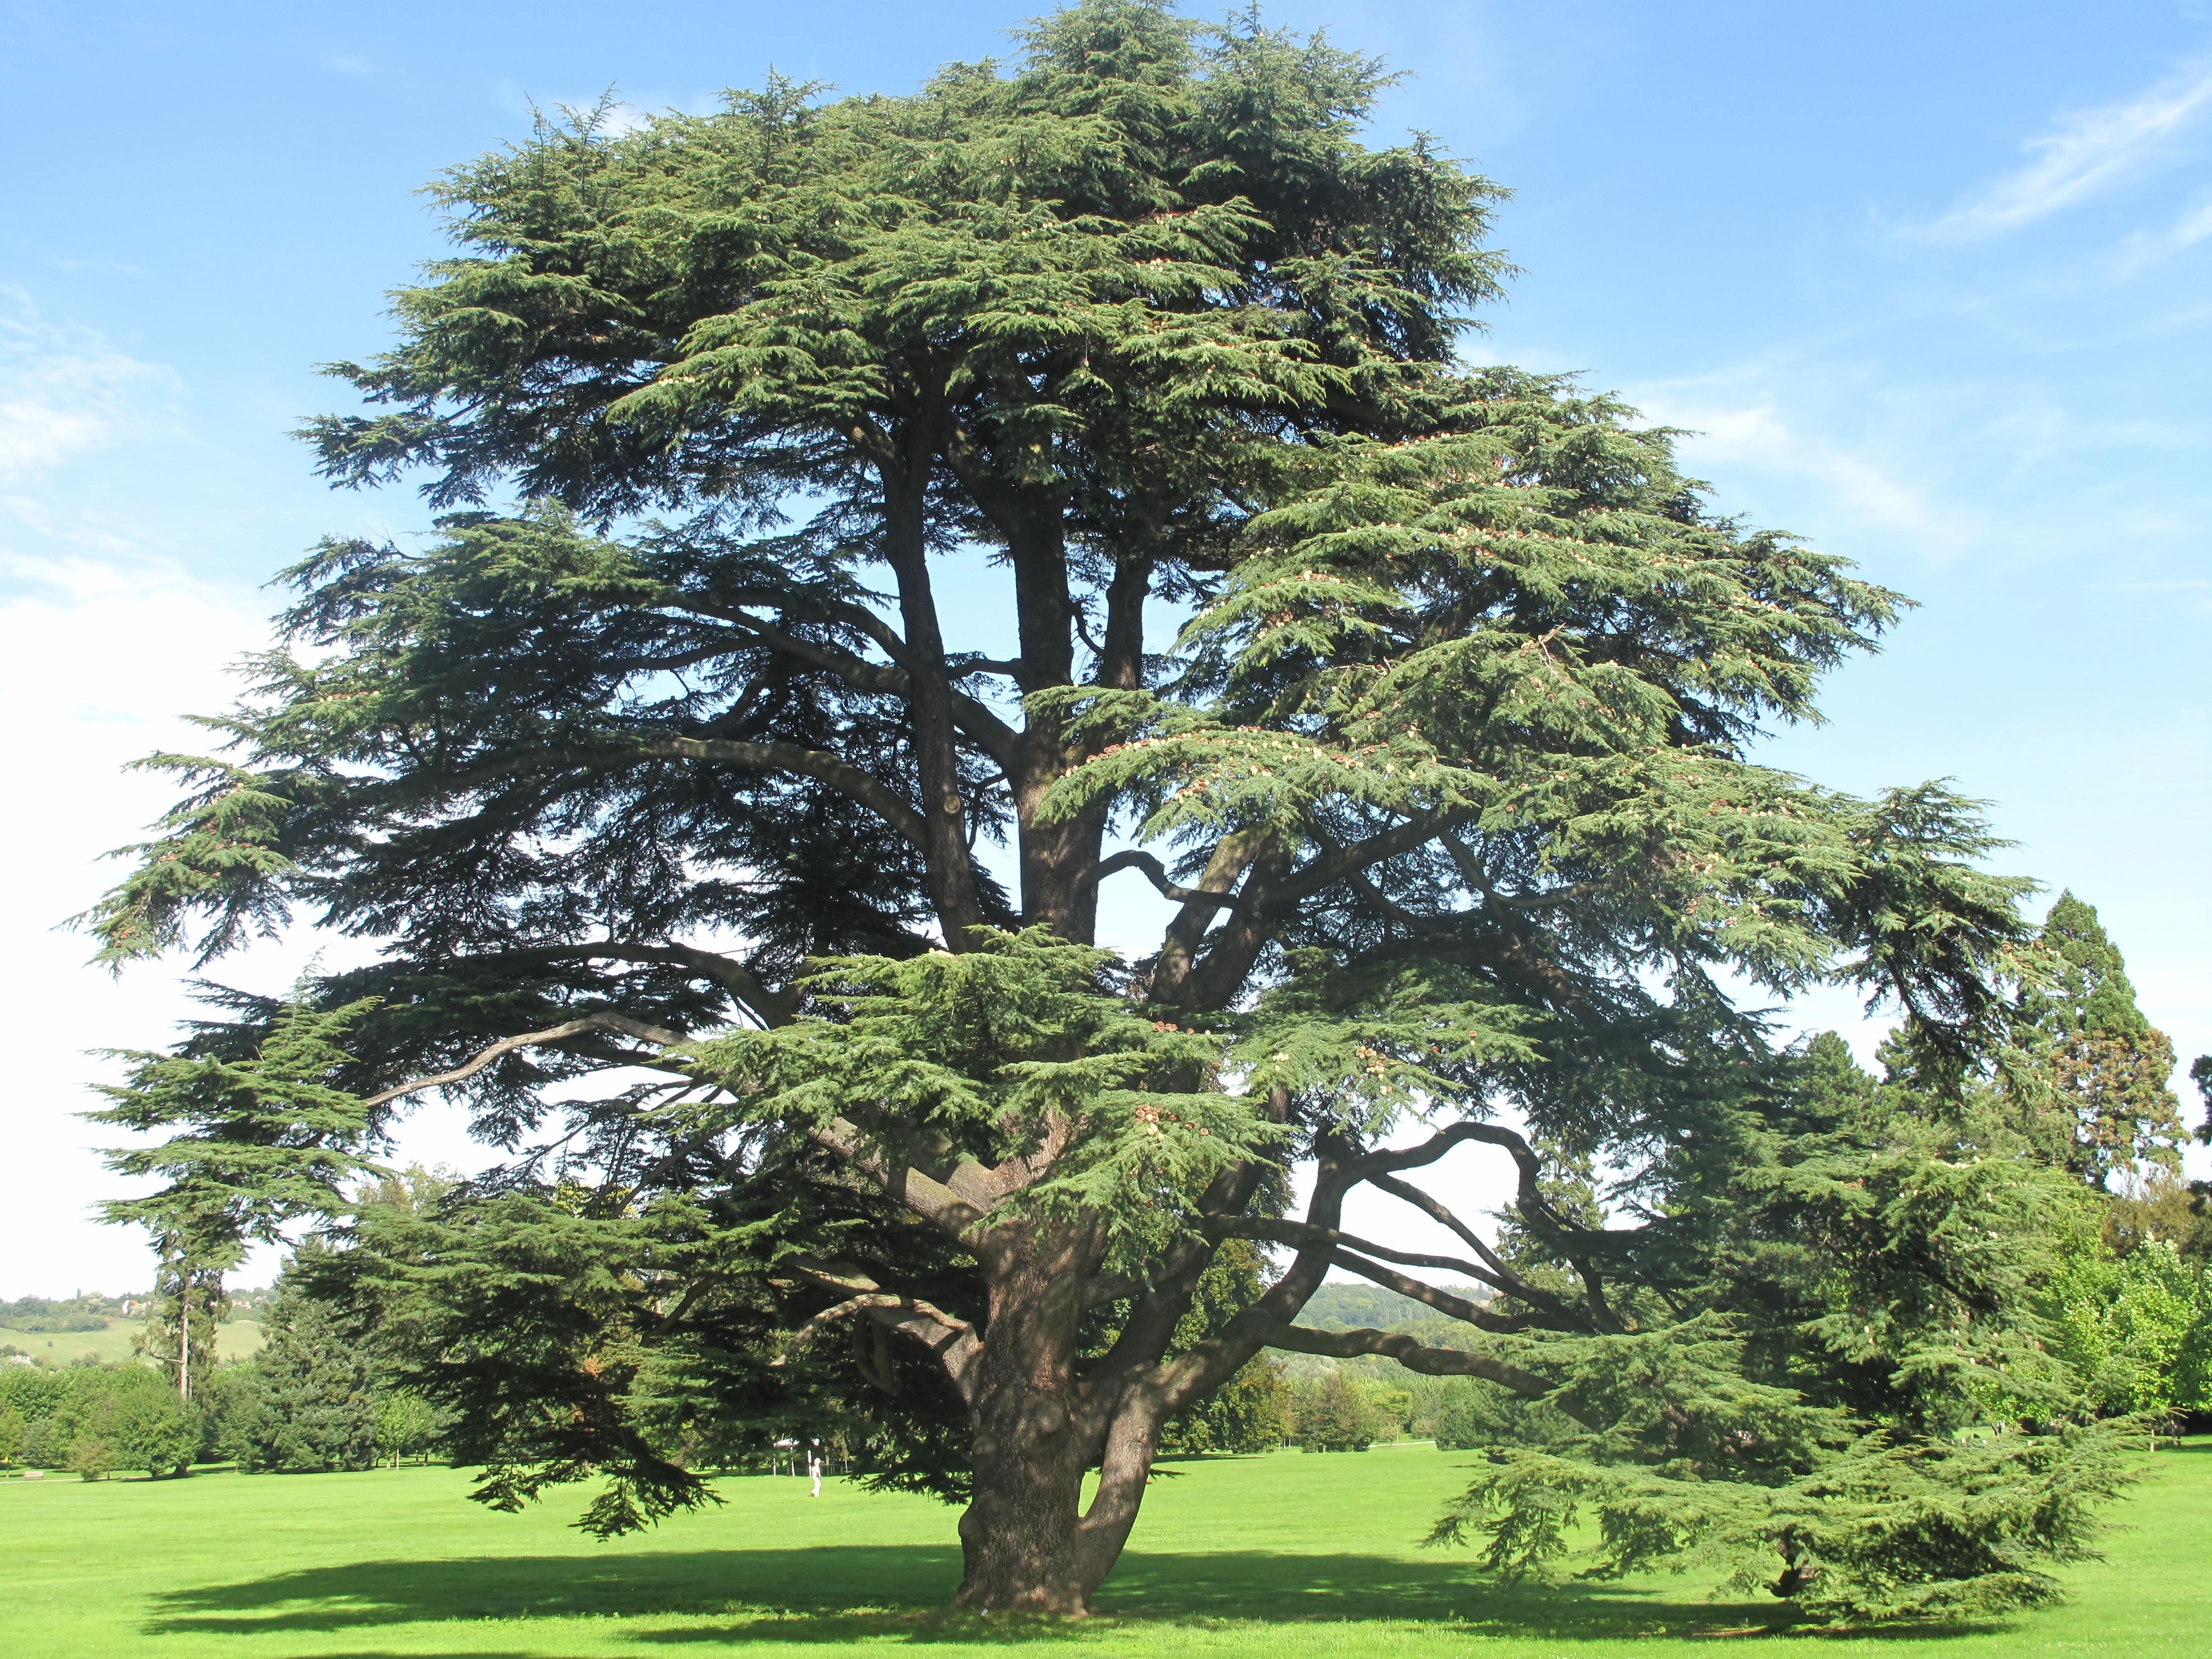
(111,1347)
(1281,1555)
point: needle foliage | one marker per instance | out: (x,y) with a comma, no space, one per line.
(1424,695)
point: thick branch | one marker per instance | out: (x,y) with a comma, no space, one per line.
(926,1196)
(1156,873)
(993,735)
(952,1341)
(1453,1306)
(1408,1351)
(599,1022)
(1501,1276)
(1341,1244)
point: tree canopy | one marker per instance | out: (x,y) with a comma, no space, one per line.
(873,524)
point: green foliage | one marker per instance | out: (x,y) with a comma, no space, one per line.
(1875,1530)
(996,1053)
(1251,1412)
(309,1398)
(255,1141)
(150,1432)
(94,1420)
(38,1315)
(33,1390)
(1338,1412)
(1870,1391)
(11,1434)
(405,1425)
(2136,1329)
(90,1458)
(2092,1062)
(1447,765)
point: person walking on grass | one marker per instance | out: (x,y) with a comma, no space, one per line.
(814,1465)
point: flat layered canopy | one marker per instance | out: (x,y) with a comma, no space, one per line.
(1425,694)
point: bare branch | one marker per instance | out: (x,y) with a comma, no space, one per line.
(1156,873)
(1501,1277)
(599,1022)
(1341,1244)
(1408,1351)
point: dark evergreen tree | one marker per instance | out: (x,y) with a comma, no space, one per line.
(309,1400)
(1840,1347)
(1433,688)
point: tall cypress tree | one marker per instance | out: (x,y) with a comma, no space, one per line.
(1422,694)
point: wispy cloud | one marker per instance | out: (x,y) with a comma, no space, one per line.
(63,392)
(2090,150)
(2148,247)
(1859,488)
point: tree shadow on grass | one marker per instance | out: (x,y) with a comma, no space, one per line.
(832,1593)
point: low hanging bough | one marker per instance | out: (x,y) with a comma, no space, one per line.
(1443,775)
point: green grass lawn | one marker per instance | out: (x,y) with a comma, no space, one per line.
(1282,1557)
(234,1341)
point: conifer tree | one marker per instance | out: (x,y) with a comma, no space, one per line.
(257,1142)
(1422,694)
(2101,1068)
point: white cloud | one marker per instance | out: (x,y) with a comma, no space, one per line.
(1756,436)
(100,661)
(65,391)
(96,663)
(2149,246)
(2089,151)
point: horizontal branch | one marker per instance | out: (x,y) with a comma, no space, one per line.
(1501,1277)
(1452,1307)
(598,1021)
(770,1008)
(896,678)
(1305,1236)
(926,1196)
(1409,1352)
(853,1304)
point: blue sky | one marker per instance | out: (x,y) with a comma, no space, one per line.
(1929,282)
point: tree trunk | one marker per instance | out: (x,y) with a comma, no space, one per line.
(1021,1540)
(1027,1542)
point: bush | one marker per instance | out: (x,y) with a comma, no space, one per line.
(12,1428)
(91,1458)
(32,1389)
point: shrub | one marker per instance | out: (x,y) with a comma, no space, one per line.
(90,1457)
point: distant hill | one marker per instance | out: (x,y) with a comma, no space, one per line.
(110,1344)
(1370,1307)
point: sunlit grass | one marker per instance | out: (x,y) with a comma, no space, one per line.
(1279,1556)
